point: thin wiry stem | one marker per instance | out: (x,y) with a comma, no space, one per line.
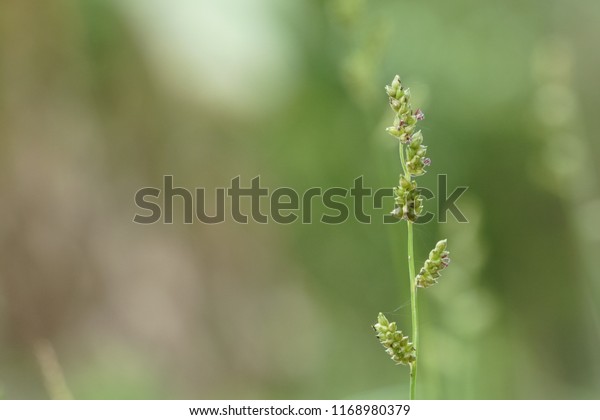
(414,308)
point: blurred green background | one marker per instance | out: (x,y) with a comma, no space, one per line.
(100,98)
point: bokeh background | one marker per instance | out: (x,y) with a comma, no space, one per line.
(100,98)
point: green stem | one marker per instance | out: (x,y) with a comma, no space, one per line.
(414,309)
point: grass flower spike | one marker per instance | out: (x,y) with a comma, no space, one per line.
(408,205)
(396,345)
(408,201)
(437,261)
(415,155)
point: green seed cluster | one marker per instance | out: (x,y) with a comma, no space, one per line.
(396,345)
(404,127)
(408,202)
(415,155)
(437,261)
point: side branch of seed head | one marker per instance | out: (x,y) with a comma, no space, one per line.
(437,261)
(395,343)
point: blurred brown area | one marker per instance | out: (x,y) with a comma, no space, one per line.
(101,98)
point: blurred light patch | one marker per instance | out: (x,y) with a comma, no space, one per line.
(233,55)
(552,60)
(587,220)
(555,104)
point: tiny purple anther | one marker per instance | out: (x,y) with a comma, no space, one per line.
(419,114)
(426,161)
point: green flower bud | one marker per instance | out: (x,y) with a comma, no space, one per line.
(394,131)
(416,140)
(395,88)
(396,345)
(395,104)
(406,183)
